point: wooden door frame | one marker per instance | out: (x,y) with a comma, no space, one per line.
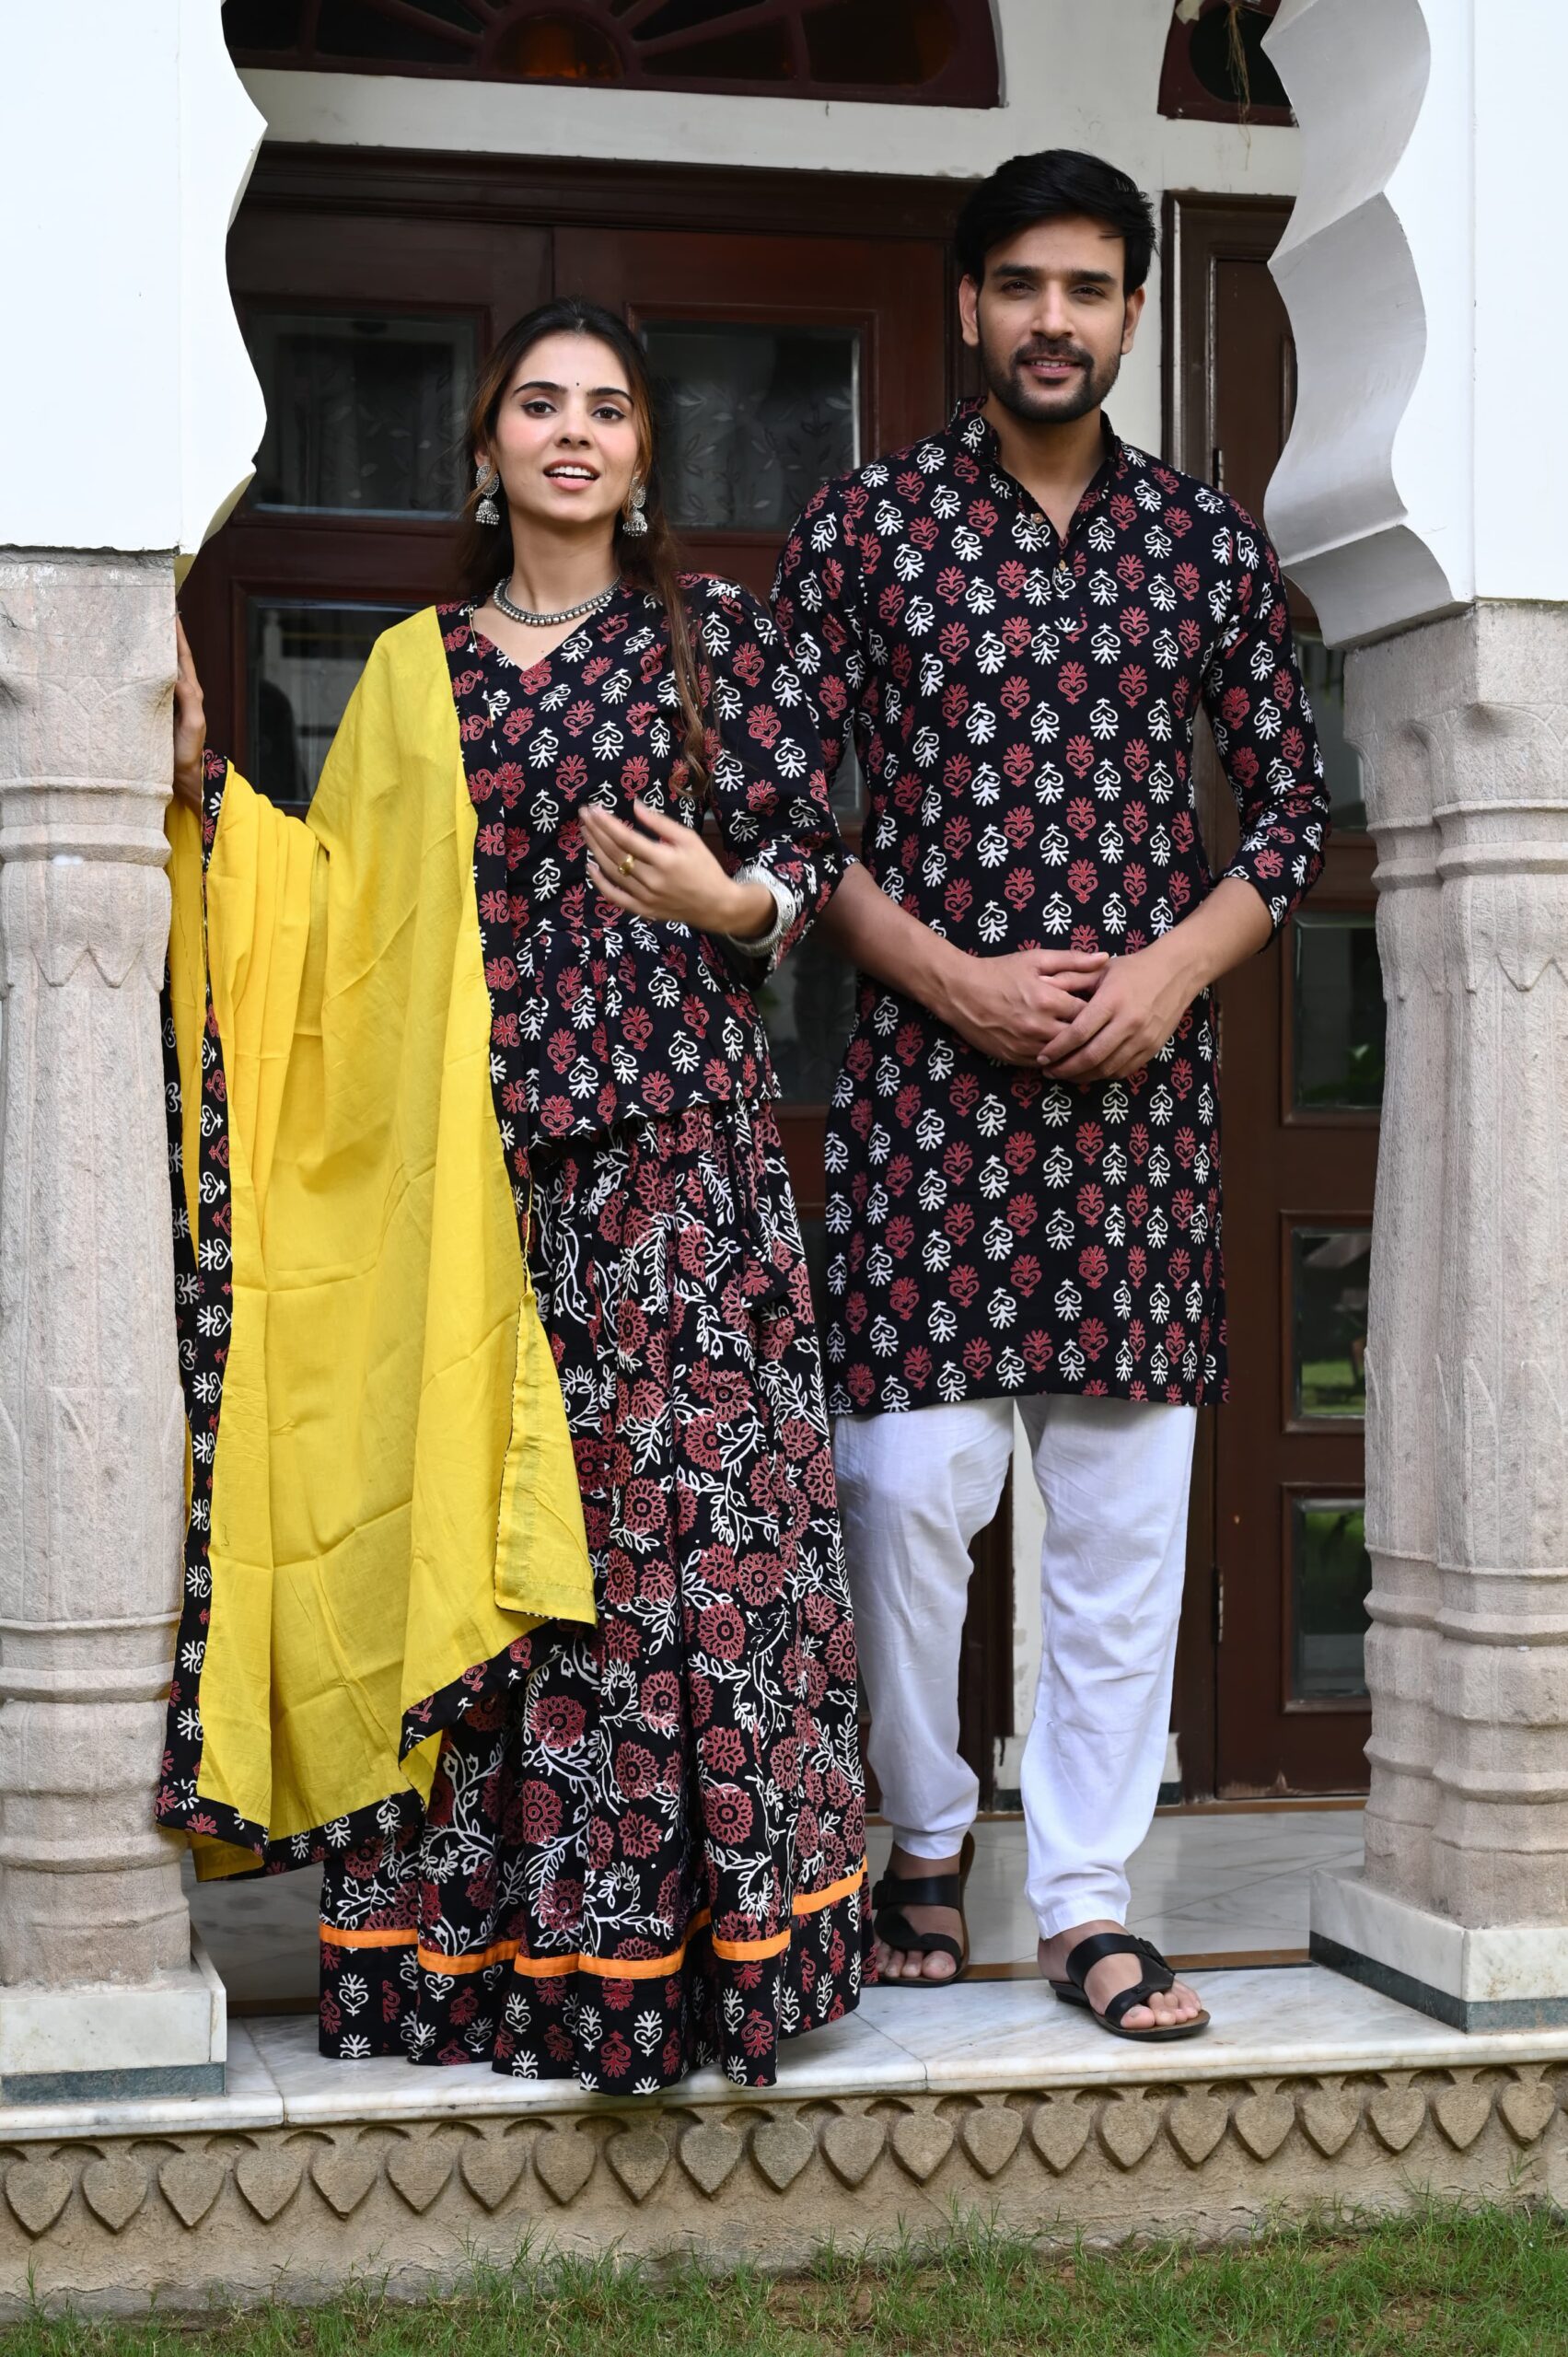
(1197,228)
(585,193)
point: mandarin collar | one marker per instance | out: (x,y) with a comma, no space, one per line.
(969,426)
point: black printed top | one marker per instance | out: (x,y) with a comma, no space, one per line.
(617,1018)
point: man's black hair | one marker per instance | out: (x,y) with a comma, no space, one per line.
(1060,184)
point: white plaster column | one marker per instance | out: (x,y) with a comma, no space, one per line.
(1424,510)
(128,417)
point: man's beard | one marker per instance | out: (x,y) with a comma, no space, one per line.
(1033,404)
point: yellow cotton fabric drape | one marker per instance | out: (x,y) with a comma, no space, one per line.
(394,1497)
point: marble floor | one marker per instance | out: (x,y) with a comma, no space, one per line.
(1299,2021)
(1216,1886)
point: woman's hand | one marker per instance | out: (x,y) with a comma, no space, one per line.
(190,722)
(665,871)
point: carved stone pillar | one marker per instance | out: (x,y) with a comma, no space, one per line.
(98,1987)
(1398,508)
(1463,1906)
(1499,1841)
(1390,700)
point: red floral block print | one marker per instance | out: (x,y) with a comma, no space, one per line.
(606,1016)
(649,1851)
(1024,708)
(644,1844)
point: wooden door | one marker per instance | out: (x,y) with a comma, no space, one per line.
(367,332)
(1271,1695)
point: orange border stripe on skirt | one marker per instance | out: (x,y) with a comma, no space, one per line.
(639,1968)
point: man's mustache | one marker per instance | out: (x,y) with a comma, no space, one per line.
(1071,352)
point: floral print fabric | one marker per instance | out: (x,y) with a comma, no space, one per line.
(644,1848)
(1025,709)
(615,1017)
(204,1293)
(645,1844)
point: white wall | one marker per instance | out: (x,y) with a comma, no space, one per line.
(129,414)
(1420,269)
(1521,330)
(1075,74)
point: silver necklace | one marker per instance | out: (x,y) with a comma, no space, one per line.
(516,613)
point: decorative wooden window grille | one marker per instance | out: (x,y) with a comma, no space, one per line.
(932,53)
(1216,69)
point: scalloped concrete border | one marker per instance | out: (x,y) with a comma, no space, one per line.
(295,2210)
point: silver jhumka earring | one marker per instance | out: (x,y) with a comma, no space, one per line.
(636,519)
(487,481)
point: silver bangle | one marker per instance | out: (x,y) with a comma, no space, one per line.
(786,908)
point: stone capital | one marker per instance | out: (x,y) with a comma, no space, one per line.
(86,682)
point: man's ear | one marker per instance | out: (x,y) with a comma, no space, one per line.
(1131,317)
(968,310)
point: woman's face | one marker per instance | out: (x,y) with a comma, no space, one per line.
(565,437)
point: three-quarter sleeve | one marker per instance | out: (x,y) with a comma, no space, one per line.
(819,603)
(1263,729)
(767,770)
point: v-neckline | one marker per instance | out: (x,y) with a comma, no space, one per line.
(542,665)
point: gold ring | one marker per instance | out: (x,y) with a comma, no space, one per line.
(628,865)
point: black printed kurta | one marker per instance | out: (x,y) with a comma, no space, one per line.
(1024,710)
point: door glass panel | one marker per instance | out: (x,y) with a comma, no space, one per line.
(808,1005)
(1330,1573)
(847,792)
(1329,1274)
(303,662)
(1323,669)
(1323,675)
(1337,989)
(364,414)
(752,419)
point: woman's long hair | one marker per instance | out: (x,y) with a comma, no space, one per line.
(651,561)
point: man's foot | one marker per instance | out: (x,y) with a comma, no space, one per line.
(909,1964)
(1165,2010)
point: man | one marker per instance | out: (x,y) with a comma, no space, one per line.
(1020,619)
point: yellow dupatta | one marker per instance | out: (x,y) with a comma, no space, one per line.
(394,1497)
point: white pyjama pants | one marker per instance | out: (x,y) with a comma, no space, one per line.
(914,1490)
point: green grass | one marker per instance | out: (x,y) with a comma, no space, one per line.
(1438,2283)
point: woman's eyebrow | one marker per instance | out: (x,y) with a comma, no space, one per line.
(544,385)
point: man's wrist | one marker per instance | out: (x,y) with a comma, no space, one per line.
(944,972)
(1181,952)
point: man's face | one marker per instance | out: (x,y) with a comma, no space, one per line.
(1051,322)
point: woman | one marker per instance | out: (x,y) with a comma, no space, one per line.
(643,1845)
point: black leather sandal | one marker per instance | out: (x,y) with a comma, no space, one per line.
(1157,1977)
(893,1928)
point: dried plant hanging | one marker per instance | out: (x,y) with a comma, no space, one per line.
(1240,64)
(1215,68)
